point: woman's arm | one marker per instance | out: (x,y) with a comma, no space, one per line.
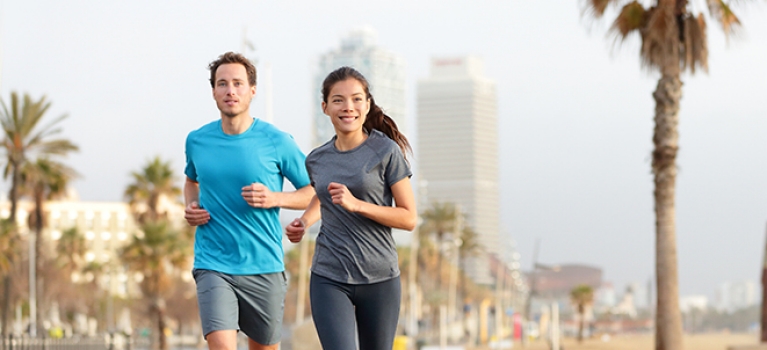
(402,216)
(297,228)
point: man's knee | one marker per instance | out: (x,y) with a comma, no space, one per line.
(222,340)
(253,345)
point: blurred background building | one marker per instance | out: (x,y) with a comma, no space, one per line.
(384,70)
(458,149)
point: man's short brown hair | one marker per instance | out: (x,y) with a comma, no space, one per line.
(232,57)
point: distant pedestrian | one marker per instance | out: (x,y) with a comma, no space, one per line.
(357,176)
(235,168)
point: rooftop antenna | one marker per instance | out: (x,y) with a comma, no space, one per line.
(265,72)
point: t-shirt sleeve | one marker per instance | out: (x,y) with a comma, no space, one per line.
(292,162)
(190,170)
(397,167)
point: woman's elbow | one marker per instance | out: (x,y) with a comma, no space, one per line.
(411,222)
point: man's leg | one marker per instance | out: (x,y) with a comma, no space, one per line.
(222,340)
(261,300)
(218,309)
(253,345)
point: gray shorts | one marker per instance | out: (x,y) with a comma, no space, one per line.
(251,303)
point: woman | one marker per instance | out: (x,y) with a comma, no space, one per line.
(356,175)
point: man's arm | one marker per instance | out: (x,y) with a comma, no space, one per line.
(193,214)
(259,196)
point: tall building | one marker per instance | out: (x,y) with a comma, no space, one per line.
(384,70)
(458,148)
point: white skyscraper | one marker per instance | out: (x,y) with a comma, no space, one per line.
(384,70)
(458,148)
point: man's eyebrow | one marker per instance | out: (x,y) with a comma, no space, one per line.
(235,79)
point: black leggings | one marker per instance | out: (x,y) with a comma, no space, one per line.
(336,306)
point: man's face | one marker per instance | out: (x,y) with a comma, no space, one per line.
(232,91)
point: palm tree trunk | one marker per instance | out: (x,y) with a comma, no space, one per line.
(582,314)
(6,304)
(159,308)
(668,322)
(763,336)
(38,212)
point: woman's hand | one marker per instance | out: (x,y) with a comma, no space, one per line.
(343,197)
(295,230)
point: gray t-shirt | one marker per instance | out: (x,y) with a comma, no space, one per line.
(350,247)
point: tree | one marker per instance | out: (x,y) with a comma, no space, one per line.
(70,249)
(157,252)
(440,220)
(155,181)
(470,247)
(582,296)
(673,40)
(25,137)
(9,241)
(43,180)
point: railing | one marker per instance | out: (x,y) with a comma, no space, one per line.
(107,342)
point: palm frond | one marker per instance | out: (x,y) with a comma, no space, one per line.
(631,18)
(659,38)
(596,8)
(694,49)
(723,14)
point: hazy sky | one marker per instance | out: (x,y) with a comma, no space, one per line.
(575,111)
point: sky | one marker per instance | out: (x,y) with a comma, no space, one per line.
(574,110)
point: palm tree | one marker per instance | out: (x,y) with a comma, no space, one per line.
(9,241)
(673,40)
(440,220)
(70,249)
(44,179)
(70,258)
(470,247)
(25,136)
(157,252)
(156,180)
(582,296)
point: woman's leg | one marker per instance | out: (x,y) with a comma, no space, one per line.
(333,313)
(377,310)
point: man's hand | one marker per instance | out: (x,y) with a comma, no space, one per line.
(257,195)
(295,230)
(195,215)
(343,197)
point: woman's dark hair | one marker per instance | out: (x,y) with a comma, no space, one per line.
(376,119)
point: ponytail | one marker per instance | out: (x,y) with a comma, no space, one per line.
(378,120)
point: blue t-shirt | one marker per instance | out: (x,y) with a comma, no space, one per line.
(240,239)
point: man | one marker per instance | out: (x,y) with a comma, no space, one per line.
(235,170)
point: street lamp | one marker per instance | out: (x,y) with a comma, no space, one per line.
(534,290)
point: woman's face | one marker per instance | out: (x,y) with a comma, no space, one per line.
(347,106)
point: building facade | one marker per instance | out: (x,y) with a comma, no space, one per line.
(384,70)
(458,149)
